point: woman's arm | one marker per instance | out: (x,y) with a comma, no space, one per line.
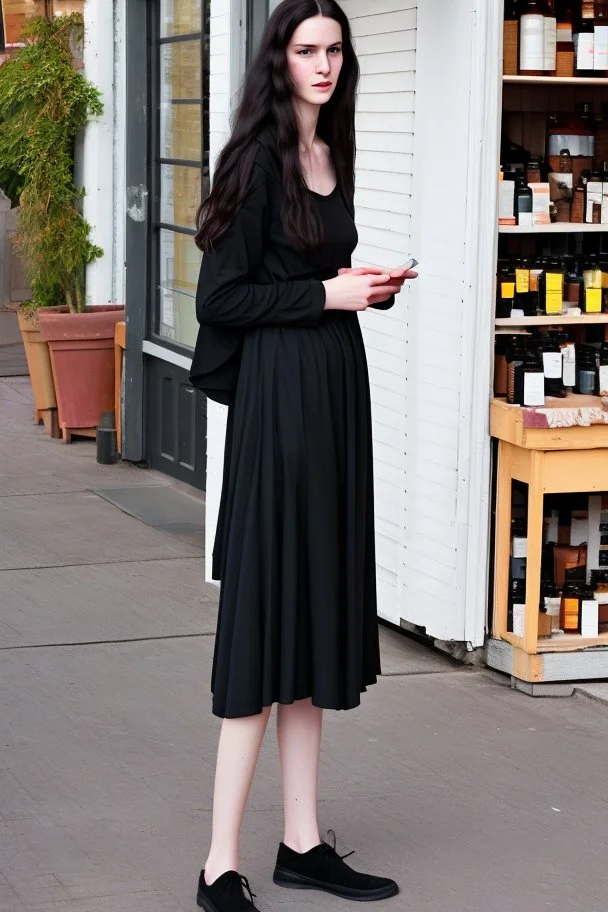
(227,297)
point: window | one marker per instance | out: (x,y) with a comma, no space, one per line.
(181,163)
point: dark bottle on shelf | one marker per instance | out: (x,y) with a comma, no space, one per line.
(524,201)
(532,38)
(601,136)
(510,46)
(600,50)
(592,279)
(505,291)
(536,272)
(552,365)
(570,611)
(552,288)
(573,285)
(568,350)
(584,40)
(550,66)
(602,370)
(565,40)
(534,378)
(585,370)
(516,607)
(515,370)
(525,300)
(603,264)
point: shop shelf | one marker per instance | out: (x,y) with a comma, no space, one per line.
(554,228)
(554,320)
(555,80)
(571,642)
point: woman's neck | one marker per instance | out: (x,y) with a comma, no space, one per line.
(307,116)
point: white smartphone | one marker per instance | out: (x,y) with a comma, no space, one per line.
(409,264)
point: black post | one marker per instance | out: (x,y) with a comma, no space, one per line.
(137,227)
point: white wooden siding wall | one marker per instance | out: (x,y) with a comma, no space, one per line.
(220,67)
(385,38)
(453,222)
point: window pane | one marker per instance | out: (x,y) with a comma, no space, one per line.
(180,17)
(180,195)
(180,131)
(180,71)
(180,262)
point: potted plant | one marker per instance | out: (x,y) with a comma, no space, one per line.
(44,102)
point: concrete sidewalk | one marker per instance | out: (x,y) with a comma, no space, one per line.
(474,797)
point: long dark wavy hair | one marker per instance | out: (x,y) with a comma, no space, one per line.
(266,100)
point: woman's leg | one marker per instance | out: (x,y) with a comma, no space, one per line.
(237,755)
(299,735)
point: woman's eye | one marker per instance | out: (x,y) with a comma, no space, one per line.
(334,50)
(304,53)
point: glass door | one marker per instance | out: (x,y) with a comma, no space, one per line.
(181,166)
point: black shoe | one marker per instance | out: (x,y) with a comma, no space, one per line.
(323,869)
(226,894)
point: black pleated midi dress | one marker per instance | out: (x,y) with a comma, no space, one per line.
(295,539)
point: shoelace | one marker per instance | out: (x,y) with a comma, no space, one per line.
(245,883)
(332,848)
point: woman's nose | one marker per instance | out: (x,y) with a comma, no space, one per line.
(323,64)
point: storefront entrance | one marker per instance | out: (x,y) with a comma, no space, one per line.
(169,79)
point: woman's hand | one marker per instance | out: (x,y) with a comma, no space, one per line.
(396,277)
(355,290)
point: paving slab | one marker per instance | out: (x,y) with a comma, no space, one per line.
(77,528)
(13,362)
(107,769)
(133,600)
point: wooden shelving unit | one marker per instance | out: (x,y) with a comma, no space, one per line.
(549,461)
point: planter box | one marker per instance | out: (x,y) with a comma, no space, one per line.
(39,366)
(82,358)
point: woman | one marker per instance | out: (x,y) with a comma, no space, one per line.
(280,342)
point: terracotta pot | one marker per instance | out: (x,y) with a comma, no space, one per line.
(82,357)
(39,366)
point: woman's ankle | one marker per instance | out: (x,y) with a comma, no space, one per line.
(215,867)
(301,843)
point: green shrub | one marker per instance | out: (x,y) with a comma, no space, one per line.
(44,102)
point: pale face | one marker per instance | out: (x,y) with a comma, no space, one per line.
(314,59)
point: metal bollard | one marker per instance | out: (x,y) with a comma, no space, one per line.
(107,453)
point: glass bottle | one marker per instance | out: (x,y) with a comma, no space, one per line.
(552,288)
(602,371)
(516,611)
(510,44)
(550,66)
(604,269)
(601,136)
(584,40)
(522,288)
(600,49)
(585,370)
(592,281)
(552,365)
(515,370)
(532,38)
(565,40)
(524,201)
(573,284)
(505,291)
(534,378)
(568,350)
(570,611)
